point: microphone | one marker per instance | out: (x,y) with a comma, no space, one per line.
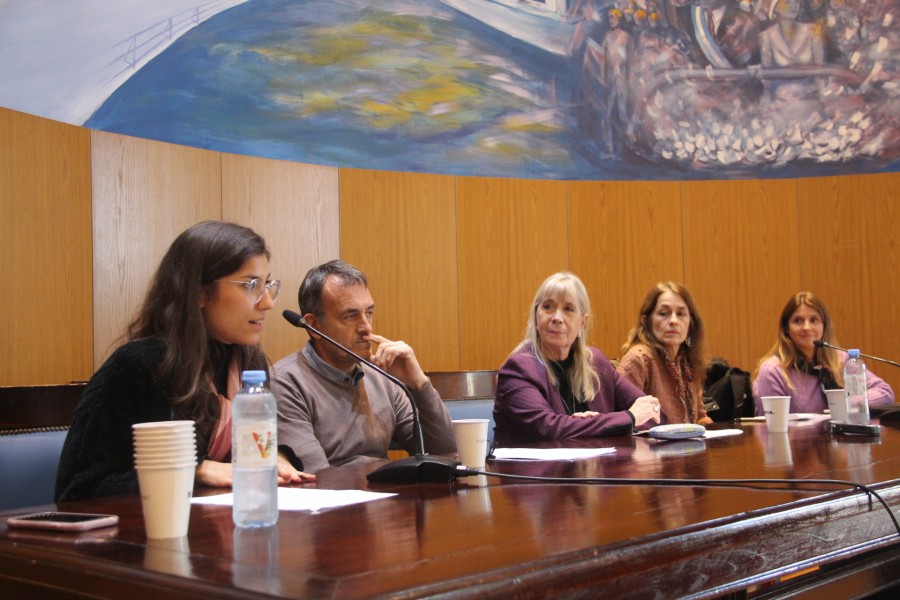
(824,344)
(420,468)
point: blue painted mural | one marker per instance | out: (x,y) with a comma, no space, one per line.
(559,89)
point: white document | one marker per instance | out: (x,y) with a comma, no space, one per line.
(791,417)
(549,453)
(304,499)
(716,433)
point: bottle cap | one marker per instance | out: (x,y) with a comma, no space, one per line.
(253,376)
(853,352)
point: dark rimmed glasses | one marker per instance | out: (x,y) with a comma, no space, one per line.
(256,289)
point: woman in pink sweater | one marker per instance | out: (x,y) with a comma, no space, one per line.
(795,367)
(664,354)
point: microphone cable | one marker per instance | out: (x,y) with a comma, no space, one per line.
(760,484)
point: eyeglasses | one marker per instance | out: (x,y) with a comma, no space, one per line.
(256,289)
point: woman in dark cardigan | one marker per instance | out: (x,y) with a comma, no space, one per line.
(199,327)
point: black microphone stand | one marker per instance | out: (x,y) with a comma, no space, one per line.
(420,468)
(824,344)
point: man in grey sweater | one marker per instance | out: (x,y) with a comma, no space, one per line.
(333,410)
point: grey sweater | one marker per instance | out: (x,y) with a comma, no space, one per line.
(330,418)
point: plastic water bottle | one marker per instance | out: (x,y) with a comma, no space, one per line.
(254,453)
(857,393)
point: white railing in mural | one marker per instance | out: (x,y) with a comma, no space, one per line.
(144,44)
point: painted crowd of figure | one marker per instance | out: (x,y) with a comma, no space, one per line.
(741,82)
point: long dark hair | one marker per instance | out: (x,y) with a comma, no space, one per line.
(171,314)
(642,332)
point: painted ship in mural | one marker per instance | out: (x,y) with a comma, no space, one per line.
(741,84)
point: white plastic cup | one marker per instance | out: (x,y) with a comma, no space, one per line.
(164,443)
(185,445)
(776,409)
(837,404)
(171,441)
(163,425)
(172,457)
(150,445)
(166,499)
(157,437)
(162,429)
(165,462)
(471,441)
(186,452)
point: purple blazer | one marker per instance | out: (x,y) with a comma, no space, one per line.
(527,408)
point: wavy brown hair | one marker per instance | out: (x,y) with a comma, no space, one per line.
(787,352)
(171,314)
(642,332)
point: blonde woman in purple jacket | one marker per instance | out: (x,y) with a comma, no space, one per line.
(554,386)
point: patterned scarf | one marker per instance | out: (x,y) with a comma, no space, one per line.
(681,372)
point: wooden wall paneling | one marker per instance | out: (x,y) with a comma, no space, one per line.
(513,234)
(295,208)
(400,229)
(850,257)
(45,236)
(144,194)
(626,236)
(741,261)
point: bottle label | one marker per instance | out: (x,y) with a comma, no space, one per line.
(256,444)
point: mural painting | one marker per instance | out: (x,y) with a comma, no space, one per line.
(720,82)
(565,89)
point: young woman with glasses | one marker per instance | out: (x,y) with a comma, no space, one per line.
(198,329)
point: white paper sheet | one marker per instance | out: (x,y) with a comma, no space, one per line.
(715,433)
(806,419)
(304,498)
(549,453)
(791,417)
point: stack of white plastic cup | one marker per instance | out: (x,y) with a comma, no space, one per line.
(165,456)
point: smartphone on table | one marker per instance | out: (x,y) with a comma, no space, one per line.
(63,521)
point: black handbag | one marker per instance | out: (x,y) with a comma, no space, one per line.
(727,392)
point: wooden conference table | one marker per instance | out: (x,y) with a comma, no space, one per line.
(503,538)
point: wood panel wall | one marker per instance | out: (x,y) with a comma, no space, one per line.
(145,194)
(45,240)
(513,233)
(849,231)
(625,237)
(741,262)
(400,230)
(743,248)
(453,262)
(295,207)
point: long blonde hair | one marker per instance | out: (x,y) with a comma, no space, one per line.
(583,378)
(787,352)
